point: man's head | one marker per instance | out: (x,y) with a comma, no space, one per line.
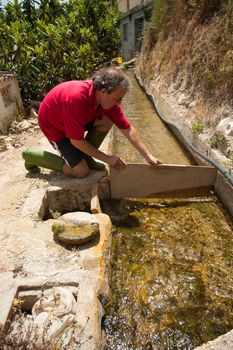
(110,85)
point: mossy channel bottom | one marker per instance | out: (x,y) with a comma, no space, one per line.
(171,274)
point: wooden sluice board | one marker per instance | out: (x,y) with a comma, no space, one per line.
(163,181)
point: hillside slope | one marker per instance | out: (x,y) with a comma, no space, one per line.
(187,55)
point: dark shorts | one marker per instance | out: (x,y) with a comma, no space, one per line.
(71,155)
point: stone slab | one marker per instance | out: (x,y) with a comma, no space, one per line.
(31,261)
(163,181)
(95,203)
(224,342)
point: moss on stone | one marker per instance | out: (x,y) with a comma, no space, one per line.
(170,275)
(71,234)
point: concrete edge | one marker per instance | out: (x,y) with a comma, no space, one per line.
(224,191)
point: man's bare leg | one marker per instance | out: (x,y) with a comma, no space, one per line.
(79,171)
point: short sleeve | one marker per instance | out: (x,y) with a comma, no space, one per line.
(118,118)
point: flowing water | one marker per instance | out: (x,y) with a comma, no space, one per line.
(171,267)
(159,139)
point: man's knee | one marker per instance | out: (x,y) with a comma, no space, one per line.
(81,170)
(80,173)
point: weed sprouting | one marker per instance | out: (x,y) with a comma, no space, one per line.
(198,127)
(217,140)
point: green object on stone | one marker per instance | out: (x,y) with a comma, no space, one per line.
(95,137)
(35,159)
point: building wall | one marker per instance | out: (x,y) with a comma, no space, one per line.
(131,26)
(123,5)
(128,38)
(126,5)
(134,3)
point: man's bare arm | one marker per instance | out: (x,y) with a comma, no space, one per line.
(133,136)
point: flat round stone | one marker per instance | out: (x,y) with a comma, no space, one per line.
(75,234)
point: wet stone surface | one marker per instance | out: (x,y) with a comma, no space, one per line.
(171,275)
(73,234)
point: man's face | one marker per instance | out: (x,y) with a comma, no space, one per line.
(109,100)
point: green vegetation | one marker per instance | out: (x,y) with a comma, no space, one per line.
(56,41)
(217,140)
(158,16)
(230,154)
(198,127)
(54,214)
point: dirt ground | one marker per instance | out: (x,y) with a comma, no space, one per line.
(14,179)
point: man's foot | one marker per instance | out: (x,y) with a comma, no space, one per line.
(31,167)
(37,158)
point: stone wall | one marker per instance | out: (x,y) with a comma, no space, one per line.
(11,106)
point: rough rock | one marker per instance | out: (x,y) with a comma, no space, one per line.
(73,234)
(224,342)
(75,228)
(226,126)
(17,128)
(3,145)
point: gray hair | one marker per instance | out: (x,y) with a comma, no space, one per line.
(110,78)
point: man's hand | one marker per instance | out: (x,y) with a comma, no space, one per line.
(133,136)
(90,150)
(153,161)
(116,162)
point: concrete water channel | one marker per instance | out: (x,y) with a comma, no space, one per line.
(171,261)
(170,270)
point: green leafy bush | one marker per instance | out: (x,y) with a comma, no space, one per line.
(56,41)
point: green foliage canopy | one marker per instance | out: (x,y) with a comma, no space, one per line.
(49,41)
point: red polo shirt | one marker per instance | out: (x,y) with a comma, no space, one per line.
(69,106)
